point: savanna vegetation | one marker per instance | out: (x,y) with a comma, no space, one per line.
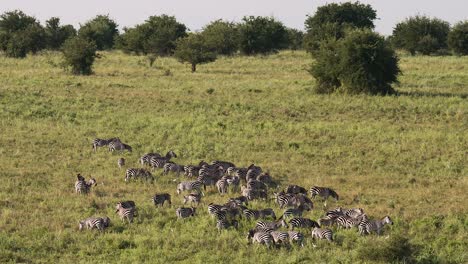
(402,155)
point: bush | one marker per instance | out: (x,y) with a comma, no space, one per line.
(57,34)
(79,54)
(101,30)
(262,35)
(361,62)
(222,37)
(158,36)
(332,20)
(458,38)
(395,249)
(295,39)
(20,34)
(194,50)
(421,34)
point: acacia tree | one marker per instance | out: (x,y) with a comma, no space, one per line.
(194,50)
(332,20)
(79,54)
(222,37)
(421,34)
(57,34)
(458,38)
(102,30)
(262,35)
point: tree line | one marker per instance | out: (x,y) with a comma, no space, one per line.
(349,55)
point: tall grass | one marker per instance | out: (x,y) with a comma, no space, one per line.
(403,156)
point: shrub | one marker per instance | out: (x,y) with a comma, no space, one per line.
(57,34)
(194,50)
(222,37)
(396,249)
(421,34)
(79,54)
(361,62)
(262,35)
(458,38)
(101,30)
(332,20)
(295,39)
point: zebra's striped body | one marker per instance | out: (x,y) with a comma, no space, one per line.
(368,226)
(222,185)
(125,204)
(265,178)
(138,173)
(144,160)
(225,224)
(260,237)
(322,233)
(259,214)
(345,221)
(184,212)
(239,200)
(296,237)
(327,221)
(233,181)
(323,192)
(127,213)
(98,142)
(192,198)
(160,198)
(189,186)
(295,189)
(192,170)
(83,187)
(173,167)
(121,162)
(299,222)
(294,212)
(252,172)
(100,223)
(286,200)
(256,185)
(280,237)
(252,194)
(262,225)
(224,164)
(117,145)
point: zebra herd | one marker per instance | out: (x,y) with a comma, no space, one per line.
(252,183)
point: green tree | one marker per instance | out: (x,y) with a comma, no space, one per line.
(361,62)
(20,34)
(421,34)
(332,20)
(57,34)
(262,35)
(295,39)
(458,38)
(222,37)
(102,30)
(194,50)
(79,54)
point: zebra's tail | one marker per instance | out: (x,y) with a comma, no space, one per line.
(334,194)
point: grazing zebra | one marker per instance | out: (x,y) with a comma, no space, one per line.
(261,225)
(192,198)
(252,172)
(295,212)
(184,212)
(100,223)
(252,194)
(189,186)
(256,185)
(260,237)
(224,164)
(172,167)
(345,221)
(118,145)
(128,213)
(304,200)
(296,237)
(300,222)
(211,171)
(233,181)
(259,214)
(265,178)
(280,237)
(335,213)
(157,162)
(138,172)
(238,172)
(83,187)
(121,162)
(327,221)
(322,233)
(239,200)
(295,189)
(125,204)
(323,192)
(225,224)
(192,170)
(286,199)
(146,158)
(160,198)
(368,226)
(97,142)
(222,185)
(354,213)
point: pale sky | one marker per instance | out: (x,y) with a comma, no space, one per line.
(197,13)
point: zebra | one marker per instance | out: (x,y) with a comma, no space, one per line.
(222,185)
(192,198)
(257,214)
(337,212)
(260,237)
(118,145)
(97,142)
(192,170)
(323,192)
(350,222)
(261,225)
(252,172)
(121,162)
(138,172)
(189,185)
(211,171)
(368,226)
(100,223)
(146,157)
(280,237)
(286,199)
(157,162)
(327,221)
(83,187)
(125,204)
(160,198)
(238,172)
(296,237)
(239,200)
(225,224)
(300,222)
(184,212)
(256,185)
(295,189)
(252,194)
(224,164)
(233,181)
(265,178)
(295,212)
(354,213)
(176,168)
(218,211)
(123,212)
(322,233)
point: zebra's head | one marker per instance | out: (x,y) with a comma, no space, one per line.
(106,221)
(171,154)
(92,182)
(388,220)
(250,234)
(81,225)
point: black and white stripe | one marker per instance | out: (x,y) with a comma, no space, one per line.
(225,224)
(222,185)
(256,185)
(98,142)
(121,162)
(100,223)
(280,237)
(117,145)
(295,189)
(83,187)
(192,198)
(252,172)
(295,212)
(323,192)
(322,233)
(296,237)
(241,200)
(253,194)
(173,167)
(184,212)
(224,164)
(368,226)
(259,214)
(136,173)
(127,213)
(286,200)
(299,222)
(144,160)
(260,237)
(159,199)
(262,225)
(345,221)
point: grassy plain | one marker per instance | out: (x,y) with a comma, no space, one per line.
(403,156)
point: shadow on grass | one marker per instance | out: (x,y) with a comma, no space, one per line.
(429,94)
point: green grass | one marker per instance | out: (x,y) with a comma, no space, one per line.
(403,156)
